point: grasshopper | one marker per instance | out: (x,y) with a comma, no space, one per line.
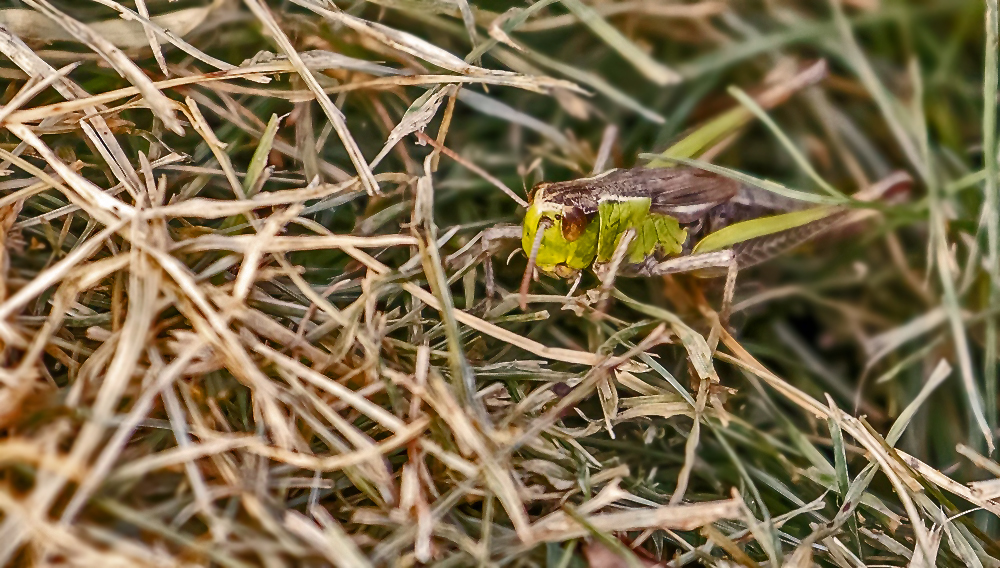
(623,221)
(645,221)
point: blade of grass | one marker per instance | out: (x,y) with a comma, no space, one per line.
(843,478)
(260,155)
(652,69)
(794,152)
(726,124)
(463,379)
(937,377)
(991,204)
(765,184)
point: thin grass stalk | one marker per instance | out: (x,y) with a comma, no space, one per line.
(991,206)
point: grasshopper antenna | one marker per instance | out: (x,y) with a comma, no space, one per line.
(543,225)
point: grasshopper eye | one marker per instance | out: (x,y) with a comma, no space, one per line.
(574,222)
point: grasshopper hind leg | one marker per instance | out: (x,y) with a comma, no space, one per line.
(720,259)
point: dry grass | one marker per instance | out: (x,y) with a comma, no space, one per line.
(242,317)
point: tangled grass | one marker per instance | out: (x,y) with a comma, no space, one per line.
(245,320)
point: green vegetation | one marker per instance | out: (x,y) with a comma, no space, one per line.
(246,318)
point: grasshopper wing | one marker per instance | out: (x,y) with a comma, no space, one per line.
(687,194)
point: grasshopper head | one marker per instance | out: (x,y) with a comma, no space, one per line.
(566,239)
(559,240)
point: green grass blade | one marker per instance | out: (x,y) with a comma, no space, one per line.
(652,69)
(747,179)
(991,205)
(259,160)
(598,83)
(727,123)
(843,478)
(786,142)
(940,373)
(704,137)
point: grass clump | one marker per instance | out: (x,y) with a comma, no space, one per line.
(245,320)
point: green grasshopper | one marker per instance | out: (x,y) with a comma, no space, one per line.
(633,222)
(622,221)
(644,221)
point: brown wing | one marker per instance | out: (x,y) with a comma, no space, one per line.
(684,193)
(750,203)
